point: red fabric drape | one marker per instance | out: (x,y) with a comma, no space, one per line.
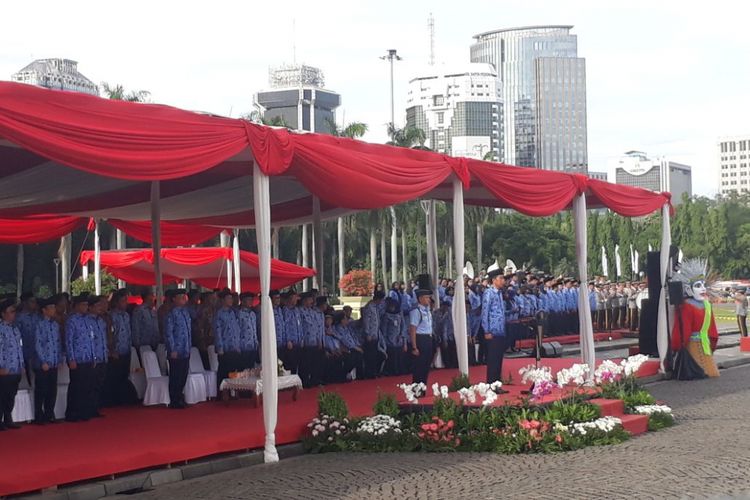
(625,200)
(528,190)
(358,175)
(28,230)
(134,266)
(172,234)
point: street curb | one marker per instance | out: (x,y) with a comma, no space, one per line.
(147,480)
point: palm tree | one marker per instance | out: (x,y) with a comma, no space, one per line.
(257,117)
(353,130)
(117,92)
(407,137)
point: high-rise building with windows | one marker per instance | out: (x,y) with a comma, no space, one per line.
(544,91)
(297,95)
(734,165)
(660,174)
(459,109)
(60,74)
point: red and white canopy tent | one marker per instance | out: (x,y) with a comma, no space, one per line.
(72,155)
(205,266)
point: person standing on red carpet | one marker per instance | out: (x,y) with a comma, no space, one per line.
(48,351)
(178,337)
(493,323)
(11,363)
(420,332)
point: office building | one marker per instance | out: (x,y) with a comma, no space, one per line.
(734,165)
(297,95)
(544,92)
(600,176)
(459,109)
(60,74)
(660,174)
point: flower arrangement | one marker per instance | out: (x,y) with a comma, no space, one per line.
(602,424)
(576,374)
(651,409)
(413,391)
(607,372)
(533,374)
(486,391)
(439,433)
(379,425)
(542,388)
(439,391)
(631,365)
(659,416)
(357,283)
(326,433)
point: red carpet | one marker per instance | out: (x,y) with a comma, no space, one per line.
(573,339)
(135,438)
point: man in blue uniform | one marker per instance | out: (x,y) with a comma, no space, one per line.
(420,332)
(343,332)
(145,325)
(79,342)
(443,325)
(227,337)
(47,354)
(120,343)
(371,317)
(26,321)
(248,331)
(393,330)
(313,355)
(98,325)
(493,323)
(11,363)
(178,336)
(289,352)
(279,319)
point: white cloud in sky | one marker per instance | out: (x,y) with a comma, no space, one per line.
(666,77)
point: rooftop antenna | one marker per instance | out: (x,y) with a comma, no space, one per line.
(294,41)
(431,28)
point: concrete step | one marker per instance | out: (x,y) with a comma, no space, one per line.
(635,424)
(609,407)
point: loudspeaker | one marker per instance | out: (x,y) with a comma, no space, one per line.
(653,273)
(551,350)
(647,328)
(676,294)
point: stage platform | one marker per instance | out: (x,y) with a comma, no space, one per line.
(134,438)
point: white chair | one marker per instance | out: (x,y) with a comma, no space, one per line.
(63,381)
(23,410)
(161,356)
(213,359)
(196,366)
(137,377)
(157,385)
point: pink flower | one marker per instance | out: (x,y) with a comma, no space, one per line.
(433,427)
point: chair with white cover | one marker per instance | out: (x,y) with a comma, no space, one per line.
(161,356)
(213,359)
(63,381)
(23,411)
(157,385)
(195,389)
(137,377)
(196,366)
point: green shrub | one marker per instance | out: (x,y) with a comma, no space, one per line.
(331,403)
(660,420)
(460,381)
(386,405)
(640,397)
(565,412)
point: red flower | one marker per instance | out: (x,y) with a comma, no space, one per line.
(559,439)
(433,427)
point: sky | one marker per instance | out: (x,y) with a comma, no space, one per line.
(663,76)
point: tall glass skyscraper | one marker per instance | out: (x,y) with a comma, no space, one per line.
(544,91)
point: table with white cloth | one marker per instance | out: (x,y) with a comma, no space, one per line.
(254,385)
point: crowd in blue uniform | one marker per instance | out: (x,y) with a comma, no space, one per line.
(399,331)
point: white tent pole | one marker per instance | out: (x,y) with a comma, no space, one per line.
(19,271)
(459,299)
(305,257)
(662,334)
(66,244)
(275,242)
(373,251)
(394,247)
(383,255)
(317,243)
(97,260)
(85,271)
(156,238)
(586,329)
(403,254)
(269,374)
(236,258)
(341,249)
(434,251)
(120,244)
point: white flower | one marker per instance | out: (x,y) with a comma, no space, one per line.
(411,391)
(330,438)
(436,389)
(576,374)
(314,433)
(651,409)
(467,394)
(532,374)
(607,371)
(444,391)
(633,364)
(338,432)
(604,424)
(320,428)
(334,425)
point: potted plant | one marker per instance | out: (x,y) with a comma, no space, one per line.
(356,290)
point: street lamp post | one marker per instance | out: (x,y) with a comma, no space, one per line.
(391,56)
(57,274)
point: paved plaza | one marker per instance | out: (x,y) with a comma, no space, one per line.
(706,455)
